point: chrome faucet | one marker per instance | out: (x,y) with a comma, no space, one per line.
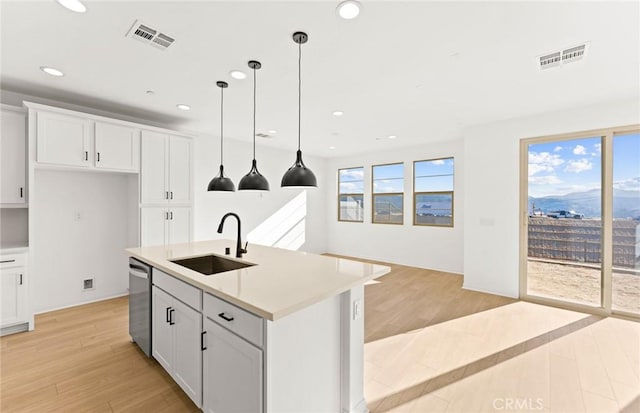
(239,249)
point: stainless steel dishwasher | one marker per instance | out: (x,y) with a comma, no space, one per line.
(140,304)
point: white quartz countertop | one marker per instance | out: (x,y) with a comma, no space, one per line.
(280,283)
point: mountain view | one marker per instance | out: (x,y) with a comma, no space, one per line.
(626,204)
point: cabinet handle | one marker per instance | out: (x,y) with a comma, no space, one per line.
(168,316)
(166,215)
(171,197)
(5,261)
(98,156)
(86,155)
(171,322)
(224,317)
(171,215)
(21,192)
(202,346)
(20,279)
(166,194)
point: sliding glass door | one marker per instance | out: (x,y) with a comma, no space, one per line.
(580,220)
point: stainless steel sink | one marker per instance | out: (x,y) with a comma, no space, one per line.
(210,264)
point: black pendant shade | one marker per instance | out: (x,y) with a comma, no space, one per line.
(299,175)
(221,182)
(254,180)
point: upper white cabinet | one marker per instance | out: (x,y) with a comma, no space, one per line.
(117,147)
(64,139)
(13,156)
(166,169)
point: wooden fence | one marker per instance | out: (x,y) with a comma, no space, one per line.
(578,240)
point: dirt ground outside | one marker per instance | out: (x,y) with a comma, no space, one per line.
(581,284)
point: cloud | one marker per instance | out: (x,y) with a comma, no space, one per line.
(631,184)
(543,162)
(579,150)
(352,174)
(544,180)
(557,149)
(579,165)
(438,162)
(597,147)
(351,187)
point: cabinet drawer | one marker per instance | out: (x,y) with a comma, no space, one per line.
(13,260)
(184,292)
(241,322)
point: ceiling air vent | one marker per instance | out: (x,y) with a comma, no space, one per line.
(150,36)
(562,57)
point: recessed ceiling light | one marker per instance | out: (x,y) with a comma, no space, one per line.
(51,71)
(182,106)
(332,147)
(338,113)
(237,74)
(349,9)
(272,131)
(73,5)
(391,137)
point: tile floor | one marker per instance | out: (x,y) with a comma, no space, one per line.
(518,357)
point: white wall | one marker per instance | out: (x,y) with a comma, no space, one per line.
(420,246)
(491,176)
(82,222)
(287,218)
(14,228)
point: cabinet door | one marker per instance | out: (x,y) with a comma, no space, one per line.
(153,168)
(63,140)
(13,157)
(180,169)
(13,295)
(187,362)
(161,331)
(117,147)
(232,376)
(179,225)
(153,226)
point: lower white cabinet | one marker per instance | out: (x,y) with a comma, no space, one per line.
(164,226)
(14,289)
(232,372)
(176,342)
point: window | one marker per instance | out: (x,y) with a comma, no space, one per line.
(388,193)
(433,192)
(351,194)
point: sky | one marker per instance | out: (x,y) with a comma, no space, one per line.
(562,167)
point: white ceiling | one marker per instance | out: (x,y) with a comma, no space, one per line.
(420,70)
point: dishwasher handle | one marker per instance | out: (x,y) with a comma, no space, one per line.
(138,273)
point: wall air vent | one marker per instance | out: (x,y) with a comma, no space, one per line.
(562,57)
(150,36)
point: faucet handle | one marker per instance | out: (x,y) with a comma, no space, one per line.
(244,250)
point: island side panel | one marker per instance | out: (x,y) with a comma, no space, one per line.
(303,360)
(352,400)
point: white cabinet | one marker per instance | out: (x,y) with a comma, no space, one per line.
(13,156)
(117,147)
(165,226)
(166,169)
(232,375)
(64,139)
(13,277)
(176,342)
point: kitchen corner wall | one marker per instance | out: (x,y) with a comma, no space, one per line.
(491,174)
(439,248)
(287,218)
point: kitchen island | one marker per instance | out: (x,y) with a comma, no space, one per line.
(285,333)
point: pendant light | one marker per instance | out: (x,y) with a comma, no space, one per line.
(221,182)
(299,175)
(254,180)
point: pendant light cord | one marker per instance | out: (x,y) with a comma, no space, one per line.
(254,113)
(221,122)
(299,90)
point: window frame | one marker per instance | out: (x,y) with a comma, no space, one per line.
(452,193)
(340,194)
(373,194)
